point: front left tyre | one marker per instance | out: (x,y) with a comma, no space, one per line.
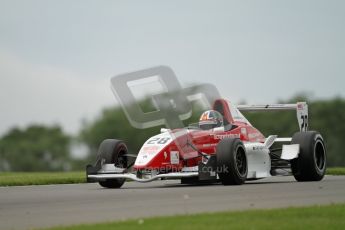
(232,165)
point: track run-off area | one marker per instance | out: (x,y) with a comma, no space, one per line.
(40,206)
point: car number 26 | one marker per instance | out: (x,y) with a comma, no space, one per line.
(158,140)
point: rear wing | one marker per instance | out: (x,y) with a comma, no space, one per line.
(300,107)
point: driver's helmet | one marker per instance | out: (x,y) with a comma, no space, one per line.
(210,119)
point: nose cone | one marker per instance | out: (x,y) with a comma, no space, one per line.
(153,151)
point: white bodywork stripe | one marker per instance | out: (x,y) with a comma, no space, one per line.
(290,152)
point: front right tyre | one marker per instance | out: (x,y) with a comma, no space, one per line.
(112,151)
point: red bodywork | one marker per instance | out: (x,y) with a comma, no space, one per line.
(203,140)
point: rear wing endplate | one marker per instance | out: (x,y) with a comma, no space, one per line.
(300,107)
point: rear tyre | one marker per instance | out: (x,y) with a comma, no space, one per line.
(311,162)
(111,151)
(232,166)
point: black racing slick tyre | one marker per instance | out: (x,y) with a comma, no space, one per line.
(232,165)
(110,152)
(311,162)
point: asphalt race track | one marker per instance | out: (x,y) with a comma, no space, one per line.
(30,207)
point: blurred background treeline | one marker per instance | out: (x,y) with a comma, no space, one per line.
(48,148)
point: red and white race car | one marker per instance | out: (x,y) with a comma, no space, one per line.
(223,147)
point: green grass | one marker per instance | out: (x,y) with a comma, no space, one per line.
(336,171)
(40,178)
(315,217)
